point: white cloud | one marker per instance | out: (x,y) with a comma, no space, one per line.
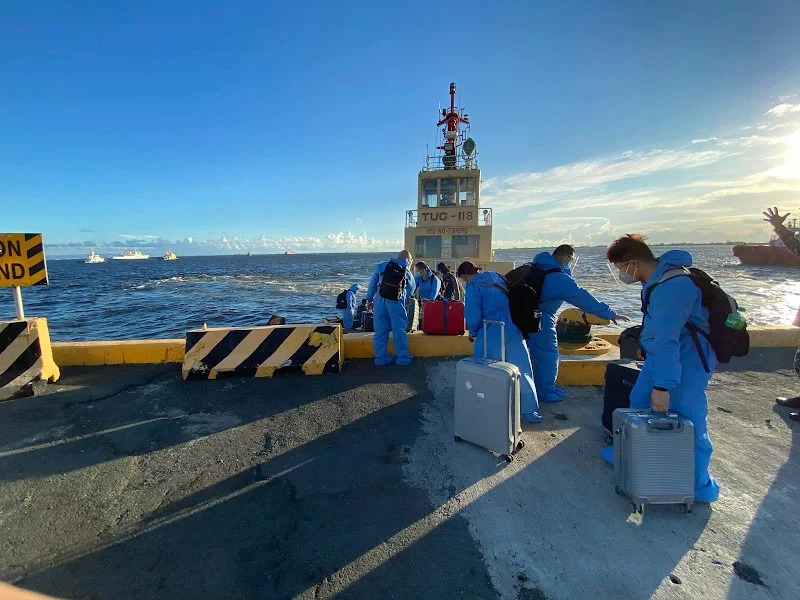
(532,189)
(133,236)
(704,140)
(335,242)
(359,220)
(780,110)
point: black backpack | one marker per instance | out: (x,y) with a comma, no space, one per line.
(341,300)
(726,341)
(524,292)
(393,282)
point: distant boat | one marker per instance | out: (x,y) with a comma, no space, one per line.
(290,252)
(170,255)
(94,258)
(249,254)
(773,254)
(131,255)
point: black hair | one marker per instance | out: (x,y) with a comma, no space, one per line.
(563,250)
(629,247)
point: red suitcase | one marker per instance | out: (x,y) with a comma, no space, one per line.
(443,318)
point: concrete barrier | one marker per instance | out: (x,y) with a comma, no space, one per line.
(573,370)
(118,352)
(26,357)
(263,351)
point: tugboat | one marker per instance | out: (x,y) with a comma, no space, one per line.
(170,255)
(774,253)
(449,224)
(93,258)
(131,255)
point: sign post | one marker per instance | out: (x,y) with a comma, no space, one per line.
(18,303)
(22,263)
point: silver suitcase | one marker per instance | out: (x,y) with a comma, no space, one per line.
(487,402)
(653,457)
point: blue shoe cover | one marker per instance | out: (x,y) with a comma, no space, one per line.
(608,454)
(533,417)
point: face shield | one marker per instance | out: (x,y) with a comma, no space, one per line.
(572,263)
(624,277)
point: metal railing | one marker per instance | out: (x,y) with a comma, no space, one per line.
(484,217)
(446,163)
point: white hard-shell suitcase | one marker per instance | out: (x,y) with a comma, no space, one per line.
(653,457)
(487,402)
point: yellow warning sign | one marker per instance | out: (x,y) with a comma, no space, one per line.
(22,260)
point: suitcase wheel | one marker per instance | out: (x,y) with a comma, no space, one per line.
(520,444)
(457,438)
(617,490)
(639,508)
(509,458)
(687,508)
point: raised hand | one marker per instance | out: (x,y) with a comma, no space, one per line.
(772,217)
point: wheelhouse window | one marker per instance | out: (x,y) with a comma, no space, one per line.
(429,193)
(448,192)
(466,246)
(428,246)
(466,191)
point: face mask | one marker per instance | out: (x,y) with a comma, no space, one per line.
(626,277)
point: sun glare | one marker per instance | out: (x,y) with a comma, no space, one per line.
(790,169)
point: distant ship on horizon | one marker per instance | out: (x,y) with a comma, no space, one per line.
(131,255)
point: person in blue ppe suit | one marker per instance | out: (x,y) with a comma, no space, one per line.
(428,284)
(349,313)
(673,376)
(390,315)
(487,300)
(558,287)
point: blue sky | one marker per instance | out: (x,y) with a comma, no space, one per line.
(253,125)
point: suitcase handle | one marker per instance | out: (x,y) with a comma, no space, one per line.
(502,339)
(664,423)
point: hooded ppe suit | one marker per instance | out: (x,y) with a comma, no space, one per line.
(390,316)
(349,313)
(673,362)
(558,287)
(428,287)
(485,302)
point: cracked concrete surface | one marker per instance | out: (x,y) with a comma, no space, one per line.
(127,482)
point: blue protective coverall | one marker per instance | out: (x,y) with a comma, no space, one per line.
(672,361)
(486,302)
(428,287)
(350,312)
(390,316)
(558,287)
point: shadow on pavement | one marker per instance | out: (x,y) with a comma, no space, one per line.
(287,524)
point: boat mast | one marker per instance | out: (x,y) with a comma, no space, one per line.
(452,120)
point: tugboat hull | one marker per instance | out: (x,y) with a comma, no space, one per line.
(764,254)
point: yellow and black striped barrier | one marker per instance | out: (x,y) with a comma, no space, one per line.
(25,357)
(263,351)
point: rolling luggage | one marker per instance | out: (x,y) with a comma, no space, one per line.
(412,310)
(443,318)
(368,320)
(486,411)
(653,457)
(621,375)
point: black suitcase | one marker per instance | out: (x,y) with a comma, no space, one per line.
(621,375)
(367,320)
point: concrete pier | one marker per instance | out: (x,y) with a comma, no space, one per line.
(126,482)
